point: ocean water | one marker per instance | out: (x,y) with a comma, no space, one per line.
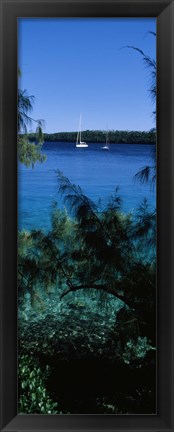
(98,172)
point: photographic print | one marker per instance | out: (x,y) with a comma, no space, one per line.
(87,216)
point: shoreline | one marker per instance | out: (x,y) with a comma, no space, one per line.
(92,142)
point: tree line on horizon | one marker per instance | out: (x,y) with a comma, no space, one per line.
(99,136)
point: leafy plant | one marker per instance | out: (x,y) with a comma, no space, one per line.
(33,396)
(104,251)
(28,153)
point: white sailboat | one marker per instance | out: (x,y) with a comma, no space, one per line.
(79,142)
(106,146)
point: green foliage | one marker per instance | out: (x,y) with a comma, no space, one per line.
(99,136)
(136,350)
(28,153)
(33,396)
(135,335)
(96,253)
(150,63)
(104,251)
(148,173)
(25,106)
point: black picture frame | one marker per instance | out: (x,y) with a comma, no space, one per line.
(164,12)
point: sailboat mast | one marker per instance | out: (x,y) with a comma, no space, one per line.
(79,142)
(80,126)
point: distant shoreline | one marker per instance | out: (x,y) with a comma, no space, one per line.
(98,136)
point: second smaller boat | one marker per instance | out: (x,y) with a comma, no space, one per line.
(106,146)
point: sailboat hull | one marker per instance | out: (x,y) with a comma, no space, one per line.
(82,145)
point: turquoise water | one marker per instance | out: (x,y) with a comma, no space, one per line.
(98,172)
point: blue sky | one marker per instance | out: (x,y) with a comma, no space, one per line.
(77,65)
